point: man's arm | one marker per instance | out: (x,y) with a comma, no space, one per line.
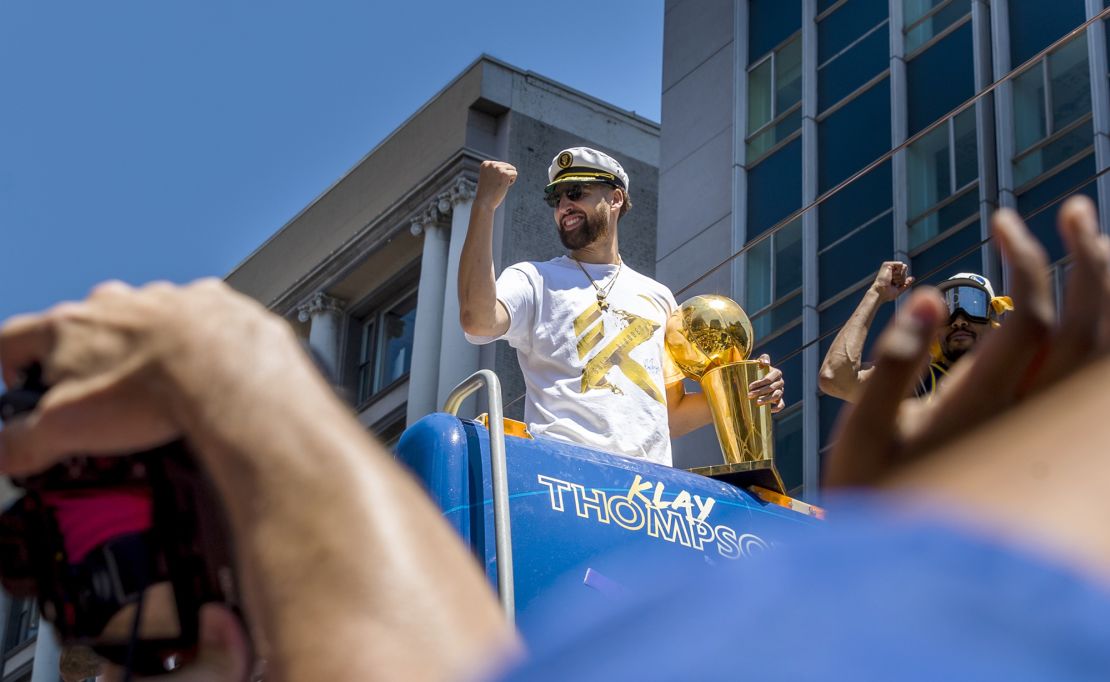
(686,412)
(842,371)
(480,313)
(327,527)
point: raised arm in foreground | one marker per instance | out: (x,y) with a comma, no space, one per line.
(328,529)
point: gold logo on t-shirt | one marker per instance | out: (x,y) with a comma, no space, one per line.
(589,329)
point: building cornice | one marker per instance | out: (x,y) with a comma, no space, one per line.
(458,175)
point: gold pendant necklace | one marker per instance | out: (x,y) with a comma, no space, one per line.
(602,292)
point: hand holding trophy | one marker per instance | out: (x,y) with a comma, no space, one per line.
(710,339)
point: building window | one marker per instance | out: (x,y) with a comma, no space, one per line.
(1052,111)
(23,623)
(939,77)
(854,135)
(1037,203)
(943,172)
(774,188)
(855,204)
(957,251)
(853,46)
(923,20)
(385,351)
(1036,24)
(847,261)
(774,97)
(770,23)
(855,231)
(774,279)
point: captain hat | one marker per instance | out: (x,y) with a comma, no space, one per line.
(582,164)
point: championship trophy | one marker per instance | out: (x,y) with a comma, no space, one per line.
(710,339)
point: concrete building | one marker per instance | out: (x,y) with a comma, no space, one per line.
(367,272)
(805,141)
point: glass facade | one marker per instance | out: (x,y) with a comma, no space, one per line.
(913,136)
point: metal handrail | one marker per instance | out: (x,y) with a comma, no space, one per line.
(500,480)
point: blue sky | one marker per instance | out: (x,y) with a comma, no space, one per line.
(144,140)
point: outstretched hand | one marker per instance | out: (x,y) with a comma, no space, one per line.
(883,431)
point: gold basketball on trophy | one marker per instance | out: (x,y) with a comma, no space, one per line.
(707,332)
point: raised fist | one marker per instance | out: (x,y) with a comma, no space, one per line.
(494,179)
(892,280)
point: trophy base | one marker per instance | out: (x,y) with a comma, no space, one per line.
(761,473)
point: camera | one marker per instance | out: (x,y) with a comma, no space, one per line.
(120,552)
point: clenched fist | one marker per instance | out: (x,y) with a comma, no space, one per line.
(892,279)
(494,179)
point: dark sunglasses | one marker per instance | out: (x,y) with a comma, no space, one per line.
(573,192)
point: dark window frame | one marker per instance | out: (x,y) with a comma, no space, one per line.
(1054,170)
(777,117)
(940,35)
(1052,134)
(939,237)
(1052,137)
(369,359)
(22,624)
(776,298)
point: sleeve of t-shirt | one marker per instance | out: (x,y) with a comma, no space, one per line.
(517,293)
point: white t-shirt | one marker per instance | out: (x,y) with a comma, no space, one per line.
(596,377)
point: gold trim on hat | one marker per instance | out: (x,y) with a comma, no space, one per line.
(585,177)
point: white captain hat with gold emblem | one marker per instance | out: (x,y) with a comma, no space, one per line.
(582,164)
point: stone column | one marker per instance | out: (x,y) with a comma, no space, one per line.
(325,314)
(428,331)
(47,654)
(458,358)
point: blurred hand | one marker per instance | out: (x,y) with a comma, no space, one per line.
(892,279)
(769,389)
(494,180)
(123,364)
(1027,353)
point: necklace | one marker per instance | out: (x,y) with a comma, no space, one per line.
(602,291)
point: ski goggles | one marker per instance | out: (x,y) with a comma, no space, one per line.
(973,302)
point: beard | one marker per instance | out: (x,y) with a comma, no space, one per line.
(594,227)
(953,354)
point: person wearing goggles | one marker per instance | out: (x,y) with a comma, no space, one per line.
(588,329)
(973,310)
